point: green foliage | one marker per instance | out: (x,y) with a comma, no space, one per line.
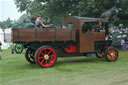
(23,19)
(5,24)
(54,11)
(123,14)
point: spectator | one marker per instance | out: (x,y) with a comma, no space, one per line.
(0,46)
(33,19)
(124,43)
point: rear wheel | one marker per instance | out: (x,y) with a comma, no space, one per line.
(111,54)
(29,55)
(45,56)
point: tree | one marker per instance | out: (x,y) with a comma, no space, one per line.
(23,18)
(4,24)
(123,13)
(8,21)
(54,11)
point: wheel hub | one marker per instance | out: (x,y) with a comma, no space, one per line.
(112,54)
(46,57)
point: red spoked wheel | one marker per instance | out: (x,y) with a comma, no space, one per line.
(111,54)
(45,56)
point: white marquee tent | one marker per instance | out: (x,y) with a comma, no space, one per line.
(6,37)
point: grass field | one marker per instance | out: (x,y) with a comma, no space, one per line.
(15,70)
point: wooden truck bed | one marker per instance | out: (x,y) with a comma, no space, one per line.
(42,35)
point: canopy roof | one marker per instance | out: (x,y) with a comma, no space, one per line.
(89,18)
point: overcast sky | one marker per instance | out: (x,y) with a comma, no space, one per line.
(8,9)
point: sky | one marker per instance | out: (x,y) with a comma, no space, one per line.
(8,9)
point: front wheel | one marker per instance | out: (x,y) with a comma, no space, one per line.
(45,56)
(111,54)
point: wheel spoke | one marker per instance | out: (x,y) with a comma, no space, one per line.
(42,54)
(46,62)
(110,55)
(115,54)
(45,51)
(50,61)
(32,59)
(42,61)
(41,57)
(51,56)
(49,52)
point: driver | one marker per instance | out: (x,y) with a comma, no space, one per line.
(38,22)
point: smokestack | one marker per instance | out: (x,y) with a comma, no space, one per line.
(109,12)
(115,9)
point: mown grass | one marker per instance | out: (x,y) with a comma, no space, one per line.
(15,70)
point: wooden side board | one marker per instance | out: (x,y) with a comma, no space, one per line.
(43,34)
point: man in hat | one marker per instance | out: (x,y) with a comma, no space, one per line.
(38,22)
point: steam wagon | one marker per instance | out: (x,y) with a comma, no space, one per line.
(78,36)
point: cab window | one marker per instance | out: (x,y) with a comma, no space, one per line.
(93,27)
(70,25)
